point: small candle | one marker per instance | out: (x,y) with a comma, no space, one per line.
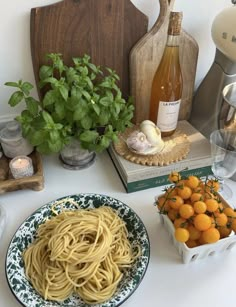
(21,166)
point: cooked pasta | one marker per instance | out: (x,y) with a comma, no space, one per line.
(83,251)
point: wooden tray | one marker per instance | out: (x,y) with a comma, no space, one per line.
(35,182)
(145,57)
(104,29)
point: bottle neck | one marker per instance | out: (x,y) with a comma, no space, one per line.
(173,40)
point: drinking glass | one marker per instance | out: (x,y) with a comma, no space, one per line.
(223,152)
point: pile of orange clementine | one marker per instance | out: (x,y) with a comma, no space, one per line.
(196,210)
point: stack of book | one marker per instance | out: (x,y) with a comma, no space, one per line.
(136,177)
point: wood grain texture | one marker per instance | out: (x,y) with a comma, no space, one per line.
(104,29)
(35,182)
(145,57)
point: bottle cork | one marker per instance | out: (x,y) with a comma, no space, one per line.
(175,23)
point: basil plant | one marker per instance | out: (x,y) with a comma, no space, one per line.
(80,101)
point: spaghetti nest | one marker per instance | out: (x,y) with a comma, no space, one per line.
(83,251)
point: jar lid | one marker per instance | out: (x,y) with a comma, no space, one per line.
(12,132)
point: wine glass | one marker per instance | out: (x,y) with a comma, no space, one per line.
(223,152)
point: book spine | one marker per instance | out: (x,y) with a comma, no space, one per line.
(163,180)
(164,170)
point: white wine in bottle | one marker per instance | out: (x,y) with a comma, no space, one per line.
(167,84)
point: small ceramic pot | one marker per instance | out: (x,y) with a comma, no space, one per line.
(12,141)
(74,157)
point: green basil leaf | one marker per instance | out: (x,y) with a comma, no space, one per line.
(48,118)
(117,108)
(37,137)
(54,136)
(13,84)
(64,92)
(32,105)
(76,92)
(26,87)
(96,108)
(89,136)
(49,98)
(44,148)
(55,146)
(105,101)
(105,84)
(45,72)
(49,80)
(86,95)
(86,122)
(89,83)
(105,142)
(60,109)
(15,98)
(79,113)
(104,118)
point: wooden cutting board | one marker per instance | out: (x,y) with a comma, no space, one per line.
(145,57)
(104,29)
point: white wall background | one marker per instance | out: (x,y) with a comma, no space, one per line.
(15,56)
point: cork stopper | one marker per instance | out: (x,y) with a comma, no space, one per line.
(175,23)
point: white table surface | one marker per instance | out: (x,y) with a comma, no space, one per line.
(168,282)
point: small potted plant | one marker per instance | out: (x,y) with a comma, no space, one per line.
(81,102)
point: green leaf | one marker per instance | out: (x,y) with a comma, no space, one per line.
(54,136)
(86,95)
(74,103)
(105,142)
(76,92)
(79,113)
(48,118)
(57,61)
(64,92)
(104,118)
(105,101)
(39,123)
(13,84)
(84,71)
(45,72)
(86,122)
(71,75)
(15,98)
(49,98)
(32,105)
(49,80)
(89,136)
(105,84)
(44,148)
(55,146)
(37,137)
(96,108)
(117,108)
(26,87)
(93,67)
(60,109)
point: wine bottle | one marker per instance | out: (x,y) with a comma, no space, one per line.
(167,83)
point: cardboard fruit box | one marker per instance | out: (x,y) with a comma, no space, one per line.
(203,251)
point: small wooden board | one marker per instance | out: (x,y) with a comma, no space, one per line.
(145,57)
(35,182)
(104,29)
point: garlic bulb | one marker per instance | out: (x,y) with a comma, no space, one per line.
(137,141)
(153,134)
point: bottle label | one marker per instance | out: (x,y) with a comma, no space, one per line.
(168,113)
